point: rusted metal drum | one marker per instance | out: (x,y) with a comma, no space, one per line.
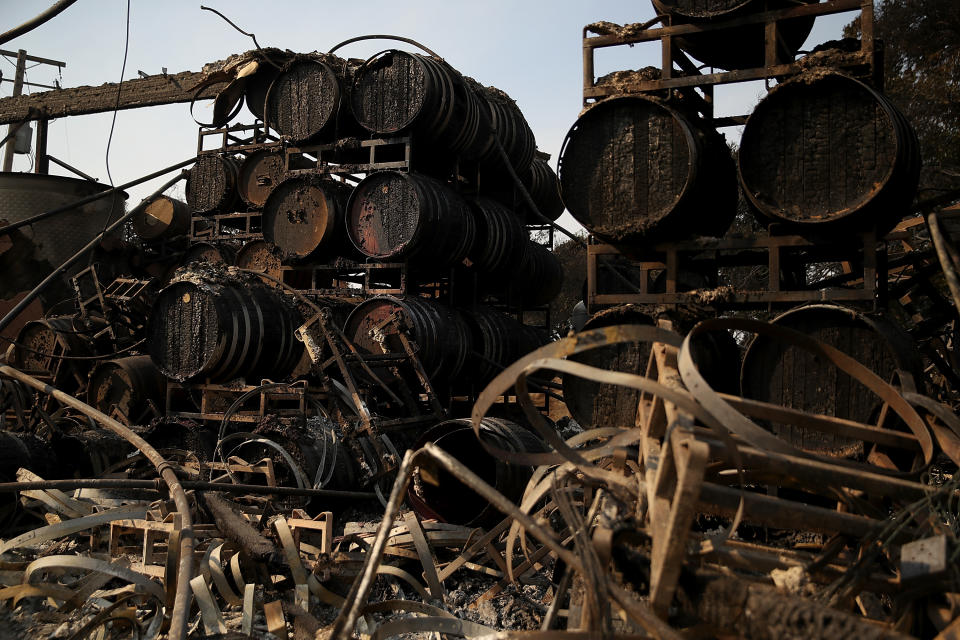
(499,340)
(544,188)
(303,102)
(593,404)
(786,375)
(740,47)
(407,216)
(825,148)
(501,241)
(398,92)
(260,255)
(203,328)
(441,335)
(303,217)
(636,170)
(126,384)
(537,281)
(260,172)
(163,218)
(212,184)
(209,252)
(449,500)
(512,131)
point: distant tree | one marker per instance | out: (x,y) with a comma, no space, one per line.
(573,257)
(922,70)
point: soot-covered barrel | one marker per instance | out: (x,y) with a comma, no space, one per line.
(212,183)
(127,384)
(209,326)
(396,92)
(637,170)
(260,172)
(501,241)
(740,47)
(406,216)
(441,335)
(594,403)
(447,499)
(303,217)
(825,148)
(510,129)
(164,217)
(304,101)
(260,255)
(537,281)
(781,373)
(544,188)
(498,341)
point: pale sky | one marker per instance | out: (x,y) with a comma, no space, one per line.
(531,50)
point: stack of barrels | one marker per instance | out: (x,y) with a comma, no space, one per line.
(454,210)
(825,155)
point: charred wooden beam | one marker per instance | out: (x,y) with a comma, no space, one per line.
(148,91)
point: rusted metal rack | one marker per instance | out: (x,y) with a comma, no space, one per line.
(786,258)
(351,156)
(242,225)
(232,138)
(210,402)
(679,72)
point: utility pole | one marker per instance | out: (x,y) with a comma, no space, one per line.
(18,85)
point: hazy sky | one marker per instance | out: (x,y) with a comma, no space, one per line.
(531,50)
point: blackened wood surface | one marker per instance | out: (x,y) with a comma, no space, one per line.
(389,95)
(211,184)
(139,92)
(625,167)
(303,100)
(816,152)
(789,376)
(594,404)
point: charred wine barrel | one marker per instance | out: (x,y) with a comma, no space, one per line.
(207,327)
(303,217)
(210,253)
(510,129)
(544,188)
(449,500)
(163,218)
(406,216)
(441,335)
(537,281)
(396,92)
(257,86)
(127,384)
(304,100)
(740,47)
(40,344)
(260,172)
(593,403)
(825,148)
(786,375)
(499,340)
(636,170)
(501,241)
(212,184)
(260,255)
